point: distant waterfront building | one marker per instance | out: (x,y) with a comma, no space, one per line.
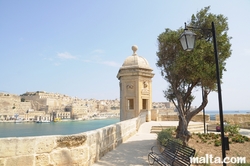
(41,105)
(135,77)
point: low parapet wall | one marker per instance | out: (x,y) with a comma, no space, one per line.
(173,116)
(79,149)
(234,118)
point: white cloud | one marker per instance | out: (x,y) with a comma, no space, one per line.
(66,55)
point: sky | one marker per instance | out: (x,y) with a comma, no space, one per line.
(77,47)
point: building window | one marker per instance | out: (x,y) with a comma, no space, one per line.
(130,104)
(144,104)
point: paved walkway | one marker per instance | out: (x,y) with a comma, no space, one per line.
(134,152)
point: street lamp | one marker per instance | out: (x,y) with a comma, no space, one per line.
(187,40)
(204,118)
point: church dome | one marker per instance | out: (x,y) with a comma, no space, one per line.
(135,61)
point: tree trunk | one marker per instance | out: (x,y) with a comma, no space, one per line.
(185,117)
(182,131)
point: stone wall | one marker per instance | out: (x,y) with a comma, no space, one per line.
(172,116)
(234,118)
(200,118)
(79,149)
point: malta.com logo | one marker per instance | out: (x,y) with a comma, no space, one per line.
(209,159)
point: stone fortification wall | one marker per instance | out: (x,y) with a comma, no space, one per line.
(199,118)
(156,114)
(196,118)
(170,115)
(234,118)
(80,149)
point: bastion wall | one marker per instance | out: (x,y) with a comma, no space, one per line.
(81,149)
(169,115)
(234,118)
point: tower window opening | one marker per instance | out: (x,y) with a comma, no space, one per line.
(130,104)
(144,103)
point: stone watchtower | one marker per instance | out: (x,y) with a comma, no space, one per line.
(135,77)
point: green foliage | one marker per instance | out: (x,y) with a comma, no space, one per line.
(232,129)
(240,139)
(217,142)
(166,134)
(22,99)
(195,68)
(186,71)
(216,138)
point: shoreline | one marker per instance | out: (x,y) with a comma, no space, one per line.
(63,120)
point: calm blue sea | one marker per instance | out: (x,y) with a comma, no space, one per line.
(212,113)
(71,127)
(53,128)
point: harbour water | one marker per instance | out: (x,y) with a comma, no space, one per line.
(53,128)
(70,127)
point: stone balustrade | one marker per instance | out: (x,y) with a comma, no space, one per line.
(81,149)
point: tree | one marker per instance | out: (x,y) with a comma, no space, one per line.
(187,71)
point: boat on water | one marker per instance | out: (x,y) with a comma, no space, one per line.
(42,121)
(19,120)
(57,119)
(99,117)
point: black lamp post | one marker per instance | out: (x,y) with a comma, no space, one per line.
(204,117)
(187,40)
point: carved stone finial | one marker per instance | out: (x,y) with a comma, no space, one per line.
(134,48)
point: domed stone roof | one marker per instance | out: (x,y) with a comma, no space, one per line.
(135,61)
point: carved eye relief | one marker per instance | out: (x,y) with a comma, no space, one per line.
(130,86)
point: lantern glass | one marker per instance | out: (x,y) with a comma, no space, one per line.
(187,40)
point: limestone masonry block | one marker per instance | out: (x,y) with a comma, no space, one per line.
(91,137)
(71,140)
(61,157)
(8,147)
(79,153)
(93,150)
(45,144)
(2,162)
(42,159)
(25,146)
(21,160)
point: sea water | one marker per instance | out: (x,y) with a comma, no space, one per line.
(71,127)
(27,129)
